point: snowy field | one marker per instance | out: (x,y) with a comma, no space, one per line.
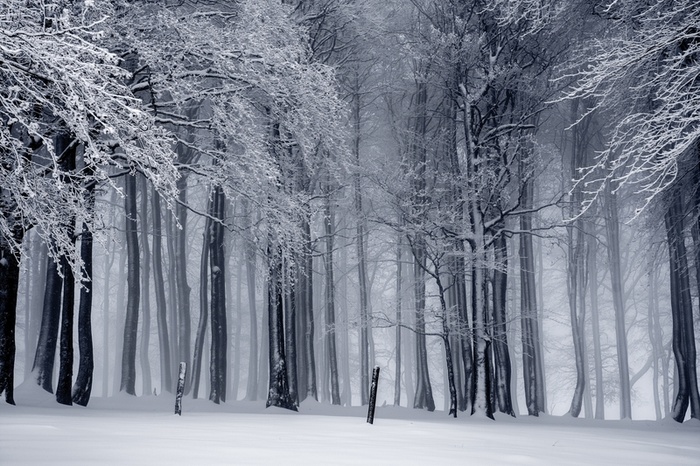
(143,431)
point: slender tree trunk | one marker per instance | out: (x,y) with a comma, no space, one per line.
(9,285)
(203,308)
(128,376)
(83,382)
(290,321)
(612,224)
(502,369)
(183,288)
(166,378)
(172,306)
(250,259)
(146,292)
(595,322)
(399,323)
(329,224)
(217,362)
(48,333)
(65,366)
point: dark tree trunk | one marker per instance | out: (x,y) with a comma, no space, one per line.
(65,366)
(682,313)
(217,256)
(290,322)
(128,376)
(183,288)
(423,398)
(48,333)
(9,284)
(278,393)
(502,369)
(83,382)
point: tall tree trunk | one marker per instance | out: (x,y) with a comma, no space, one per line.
(290,322)
(612,224)
(329,335)
(166,378)
(9,285)
(203,308)
(250,260)
(83,382)
(502,369)
(172,306)
(65,366)
(399,323)
(595,322)
(308,311)
(48,333)
(145,291)
(682,312)
(423,398)
(183,288)
(217,256)
(278,393)
(128,376)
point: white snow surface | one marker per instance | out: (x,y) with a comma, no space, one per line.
(144,431)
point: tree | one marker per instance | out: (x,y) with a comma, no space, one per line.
(54,69)
(655,133)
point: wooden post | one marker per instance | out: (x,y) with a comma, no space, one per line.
(180,388)
(373,395)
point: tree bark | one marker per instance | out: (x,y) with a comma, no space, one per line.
(166,378)
(502,369)
(250,259)
(612,224)
(128,376)
(682,313)
(196,371)
(48,332)
(9,285)
(145,291)
(83,382)
(329,335)
(217,361)
(278,394)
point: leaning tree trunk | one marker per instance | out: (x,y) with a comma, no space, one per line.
(128,376)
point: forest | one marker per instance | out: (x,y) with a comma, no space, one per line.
(495,201)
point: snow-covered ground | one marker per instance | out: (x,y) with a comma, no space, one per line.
(125,430)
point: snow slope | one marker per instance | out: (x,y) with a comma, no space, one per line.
(143,431)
